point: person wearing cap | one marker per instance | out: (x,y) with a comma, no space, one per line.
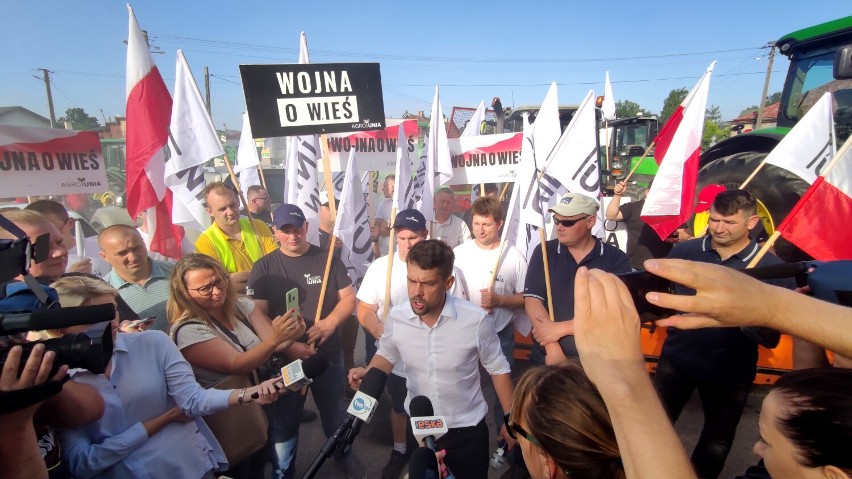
(642,241)
(301,265)
(575,216)
(721,363)
(231,239)
(409,229)
(448,227)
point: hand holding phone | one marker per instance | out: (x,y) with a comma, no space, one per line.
(639,283)
(291,301)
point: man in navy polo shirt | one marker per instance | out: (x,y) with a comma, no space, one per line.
(719,362)
(575,216)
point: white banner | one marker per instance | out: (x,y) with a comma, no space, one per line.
(377,150)
(485,158)
(48,161)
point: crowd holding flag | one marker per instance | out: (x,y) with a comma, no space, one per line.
(669,203)
(193,142)
(149,108)
(248,161)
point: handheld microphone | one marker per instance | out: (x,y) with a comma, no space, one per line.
(360,410)
(299,374)
(426,426)
(423,464)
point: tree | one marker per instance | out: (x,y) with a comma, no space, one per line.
(80,120)
(713,114)
(671,103)
(627,109)
(773,98)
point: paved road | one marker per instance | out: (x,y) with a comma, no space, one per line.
(373,445)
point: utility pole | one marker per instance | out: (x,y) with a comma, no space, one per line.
(207,90)
(759,121)
(46,76)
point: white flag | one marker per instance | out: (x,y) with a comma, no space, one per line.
(810,145)
(247,157)
(302,183)
(439,168)
(573,163)
(474,126)
(608,106)
(404,194)
(193,142)
(546,132)
(303,49)
(516,232)
(352,226)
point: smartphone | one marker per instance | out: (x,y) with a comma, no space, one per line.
(145,321)
(291,300)
(640,283)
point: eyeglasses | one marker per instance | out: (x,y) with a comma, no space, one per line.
(514,430)
(569,223)
(207,289)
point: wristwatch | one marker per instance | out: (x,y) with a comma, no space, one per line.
(241,399)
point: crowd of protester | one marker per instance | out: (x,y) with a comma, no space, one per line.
(448,312)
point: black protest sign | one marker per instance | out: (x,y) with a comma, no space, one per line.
(304,99)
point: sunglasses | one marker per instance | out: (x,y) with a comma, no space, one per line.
(569,223)
(514,431)
(207,289)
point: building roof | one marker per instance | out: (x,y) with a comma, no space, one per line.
(4,110)
(770,114)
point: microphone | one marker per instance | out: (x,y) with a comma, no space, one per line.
(55,318)
(423,464)
(426,426)
(299,374)
(360,410)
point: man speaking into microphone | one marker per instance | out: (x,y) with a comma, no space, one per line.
(440,339)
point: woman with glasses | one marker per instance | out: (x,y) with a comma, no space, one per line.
(221,334)
(148,428)
(562,426)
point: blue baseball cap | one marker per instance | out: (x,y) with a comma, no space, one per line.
(410,219)
(287,214)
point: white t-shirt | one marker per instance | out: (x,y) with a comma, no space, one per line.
(453,232)
(372,290)
(478,267)
(100,267)
(383,211)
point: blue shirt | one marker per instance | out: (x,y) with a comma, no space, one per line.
(147,300)
(149,377)
(563,267)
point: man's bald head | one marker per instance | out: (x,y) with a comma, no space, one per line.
(123,248)
(116,231)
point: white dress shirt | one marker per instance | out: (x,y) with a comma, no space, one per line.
(442,362)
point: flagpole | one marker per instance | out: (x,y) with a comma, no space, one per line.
(496,266)
(775,235)
(391,244)
(633,170)
(503,192)
(606,132)
(329,189)
(243,199)
(262,177)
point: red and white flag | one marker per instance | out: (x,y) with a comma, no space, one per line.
(149,108)
(670,201)
(819,223)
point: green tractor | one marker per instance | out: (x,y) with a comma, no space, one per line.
(628,140)
(820,61)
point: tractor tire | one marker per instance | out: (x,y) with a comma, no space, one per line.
(635,192)
(777,188)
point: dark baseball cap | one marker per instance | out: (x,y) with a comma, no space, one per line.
(410,219)
(287,214)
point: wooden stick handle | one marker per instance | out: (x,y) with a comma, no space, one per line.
(391,244)
(546,275)
(765,249)
(633,170)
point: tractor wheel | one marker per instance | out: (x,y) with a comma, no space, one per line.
(776,188)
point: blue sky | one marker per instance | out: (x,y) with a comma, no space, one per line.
(472,50)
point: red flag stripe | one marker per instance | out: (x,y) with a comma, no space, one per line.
(665,225)
(819,222)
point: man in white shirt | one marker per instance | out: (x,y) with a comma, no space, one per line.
(441,339)
(501,295)
(448,227)
(409,229)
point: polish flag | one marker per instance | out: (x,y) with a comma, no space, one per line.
(819,223)
(669,202)
(149,108)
